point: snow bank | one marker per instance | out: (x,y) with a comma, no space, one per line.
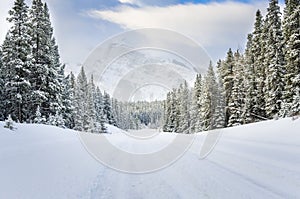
(253,161)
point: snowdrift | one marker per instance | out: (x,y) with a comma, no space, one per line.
(259,160)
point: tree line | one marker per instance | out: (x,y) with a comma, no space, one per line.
(261,83)
(35,89)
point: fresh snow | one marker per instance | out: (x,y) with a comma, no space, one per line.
(259,160)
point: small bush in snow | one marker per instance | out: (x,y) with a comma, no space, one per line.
(9,123)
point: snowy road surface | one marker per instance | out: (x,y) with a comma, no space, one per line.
(253,161)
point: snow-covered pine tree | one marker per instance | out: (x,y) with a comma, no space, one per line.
(71,89)
(17,63)
(171,125)
(258,48)
(236,105)
(91,112)
(56,120)
(196,105)
(184,103)
(39,119)
(98,104)
(47,73)
(107,110)
(227,77)
(291,30)
(250,83)
(220,107)
(116,111)
(99,111)
(67,97)
(177,109)
(80,102)
(40,58)
(56,69)
(274,60)
(167,113)
(209,99)
(2,107)
(101,125)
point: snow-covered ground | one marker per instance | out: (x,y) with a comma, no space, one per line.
(253,161)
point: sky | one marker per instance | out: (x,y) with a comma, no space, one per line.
(81,25)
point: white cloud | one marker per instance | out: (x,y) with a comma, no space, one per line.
(5,6)
(133,2)
(212,25)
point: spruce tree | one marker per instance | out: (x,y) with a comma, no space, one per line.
(2,107)
(56,69)
(17,63)
(47,76)
(184,103)
(274,60)
(107,110)
(291,27)
(40,57)
(236,105)
(67,101)
(250,83)
(220,104)
(209,99)
(98,104)
(167,113)
(80,102)
(173,116)
(177,109)
(196,105)
(258,47)
(227,77)
(91,112)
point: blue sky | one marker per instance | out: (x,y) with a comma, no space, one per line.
(80,25)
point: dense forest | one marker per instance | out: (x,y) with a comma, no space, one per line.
(261,83)
(35,89)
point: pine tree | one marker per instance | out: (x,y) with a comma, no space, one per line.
(227,77)
(291,27)
(259,48)
(99,111)
(257,53)
(184,103)
(177,109)
(196,105)
(98,104)
(220,104)
(250,83)
(167,113)
(107,109)
(91,112)
(17,63)
(236,105)
(102,127)
(274,60)
(56,74)
(2,107)
(209,100)
(40,57)
(56,120)
(67,97)
(171,123)
(80,102)
(39,119)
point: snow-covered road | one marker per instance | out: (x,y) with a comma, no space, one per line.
(253,161)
